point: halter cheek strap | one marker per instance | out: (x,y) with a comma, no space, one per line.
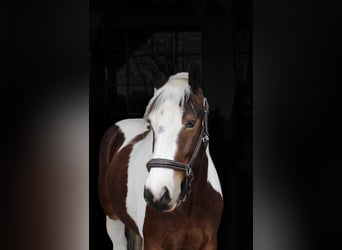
(166,163)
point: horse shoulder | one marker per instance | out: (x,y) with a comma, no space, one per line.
(127,173)
(111,141)
(136,177)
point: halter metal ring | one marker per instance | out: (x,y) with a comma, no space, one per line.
(189,172)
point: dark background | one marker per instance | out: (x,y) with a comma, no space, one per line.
(132,40)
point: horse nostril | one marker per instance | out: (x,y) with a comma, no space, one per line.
(165,196)
(148,195)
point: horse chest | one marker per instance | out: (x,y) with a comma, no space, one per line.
(193,237)
(178,231)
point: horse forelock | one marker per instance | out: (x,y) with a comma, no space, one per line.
(176,89)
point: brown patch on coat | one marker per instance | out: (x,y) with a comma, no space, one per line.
(110,144)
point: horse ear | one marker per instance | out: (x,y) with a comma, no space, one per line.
(195,76)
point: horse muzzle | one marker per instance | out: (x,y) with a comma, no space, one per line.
(161,202)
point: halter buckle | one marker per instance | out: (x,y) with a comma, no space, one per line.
(205,138)
(187,189)
(205,104)
(189,172)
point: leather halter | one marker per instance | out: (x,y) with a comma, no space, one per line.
(187,167)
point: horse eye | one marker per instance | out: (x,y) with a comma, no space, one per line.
(190,124)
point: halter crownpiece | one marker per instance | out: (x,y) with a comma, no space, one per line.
(166,163)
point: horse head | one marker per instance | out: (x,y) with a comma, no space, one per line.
(177,117)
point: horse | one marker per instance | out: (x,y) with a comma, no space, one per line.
(156,175)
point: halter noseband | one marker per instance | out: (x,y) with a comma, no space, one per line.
(166,163)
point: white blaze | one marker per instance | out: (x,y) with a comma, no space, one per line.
(166,120)
(169,117)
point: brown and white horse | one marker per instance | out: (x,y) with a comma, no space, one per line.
(156,174)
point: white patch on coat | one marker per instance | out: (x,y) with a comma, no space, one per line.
(131,128)
(136,178)
(137,172)
(116,232)
(213,178)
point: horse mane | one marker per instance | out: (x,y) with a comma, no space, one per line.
(176,89)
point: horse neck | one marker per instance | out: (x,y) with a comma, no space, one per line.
(200,171)
(200,167)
